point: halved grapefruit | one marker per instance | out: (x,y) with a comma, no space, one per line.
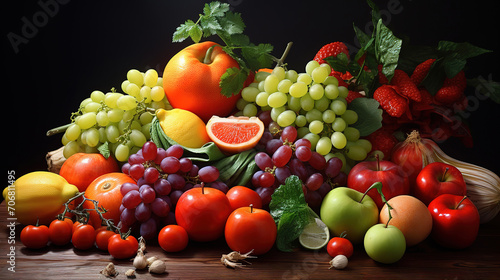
(235,134)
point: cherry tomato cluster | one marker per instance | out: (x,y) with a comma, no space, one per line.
(61,232)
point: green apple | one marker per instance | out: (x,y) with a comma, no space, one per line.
(385,243)
(348,210)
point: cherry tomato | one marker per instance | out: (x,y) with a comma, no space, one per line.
(339,246)
(60,231)
(240,196)
(102,236)
(35,237)
(83,237)
(121,248)
(173,238)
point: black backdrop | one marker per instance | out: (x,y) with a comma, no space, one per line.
(75,47)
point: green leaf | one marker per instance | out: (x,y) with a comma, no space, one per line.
(340,63)
(257,57)
(231,82)
(369,115)
(290,212)
(209,26)
(104,150)
(182,32)
(215,9)
(488,88)
(387,49)
(232,23)
(195,33)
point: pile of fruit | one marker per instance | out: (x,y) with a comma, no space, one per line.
(310,155)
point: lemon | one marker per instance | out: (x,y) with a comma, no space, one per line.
(184,127)
(315,235)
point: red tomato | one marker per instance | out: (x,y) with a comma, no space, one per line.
(250,229)
(173,238)
(102,236)
(83,237)
(203,212)
(121,248)
(240,196)
(81,169)
(339,246)
(60,231)
(106,190)
(35,237)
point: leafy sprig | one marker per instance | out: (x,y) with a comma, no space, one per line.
(218,20)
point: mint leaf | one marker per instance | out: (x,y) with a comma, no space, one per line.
(231,82)
(387,48)
(369,115)
(289,210)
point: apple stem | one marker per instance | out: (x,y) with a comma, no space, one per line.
(444,174)
(251,208)
(377,157)
(202,188)
(208,55)
(463,198)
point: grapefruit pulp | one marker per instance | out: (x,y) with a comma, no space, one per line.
(235,134)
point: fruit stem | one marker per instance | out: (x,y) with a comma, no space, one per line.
(444,174)
(251,208)
(58,129)
(460,202)
(281,61)
(377,157)
(202,187)
(208,55)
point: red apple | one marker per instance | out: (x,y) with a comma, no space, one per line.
(455,221)
(436,179)
(394,180)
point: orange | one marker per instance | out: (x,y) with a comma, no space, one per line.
(192,84)
(409,215)
(235,134)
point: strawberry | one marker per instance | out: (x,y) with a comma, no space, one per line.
(332,49)
(405,85)
(353,95)
(393,103)
(448,95)
(383,140)
(452,90)
(421,71)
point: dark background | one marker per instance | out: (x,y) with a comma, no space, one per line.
(88,45)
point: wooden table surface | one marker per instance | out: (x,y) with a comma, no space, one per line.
(202,261)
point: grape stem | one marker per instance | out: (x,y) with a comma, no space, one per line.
(58,129)
(281,61)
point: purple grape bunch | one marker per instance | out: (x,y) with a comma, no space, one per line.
(283,155)
(162,176)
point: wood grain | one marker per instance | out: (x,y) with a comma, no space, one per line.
(202,261)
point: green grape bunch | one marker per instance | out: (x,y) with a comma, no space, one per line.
(314,103)
(115,123)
